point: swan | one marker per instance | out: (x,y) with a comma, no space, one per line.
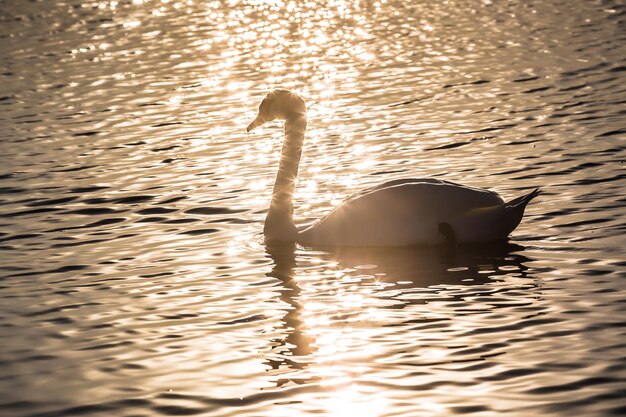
(396,213)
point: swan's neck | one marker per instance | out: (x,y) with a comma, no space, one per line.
(279,225)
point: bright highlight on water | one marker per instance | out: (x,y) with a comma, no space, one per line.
(135,275)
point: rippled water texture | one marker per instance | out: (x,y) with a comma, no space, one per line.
(135,280)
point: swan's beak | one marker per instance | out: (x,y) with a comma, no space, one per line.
(255,123)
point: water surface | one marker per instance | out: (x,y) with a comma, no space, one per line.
(135,280)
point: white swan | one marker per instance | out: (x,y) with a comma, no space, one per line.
(396,213)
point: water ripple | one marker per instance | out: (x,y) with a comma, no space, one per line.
(135,279)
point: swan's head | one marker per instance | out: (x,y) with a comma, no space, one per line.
(279,104)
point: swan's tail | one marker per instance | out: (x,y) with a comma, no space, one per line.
(514,210)
(523,200)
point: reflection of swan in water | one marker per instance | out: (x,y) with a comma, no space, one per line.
(295,341)
(396,213)
(408,267)
(423,266)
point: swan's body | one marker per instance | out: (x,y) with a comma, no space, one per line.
(396,213)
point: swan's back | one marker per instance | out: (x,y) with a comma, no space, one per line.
(401,212)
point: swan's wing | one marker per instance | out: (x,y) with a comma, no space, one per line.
(394,183)
(490,196)
(404,212)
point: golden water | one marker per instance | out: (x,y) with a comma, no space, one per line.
(135,277)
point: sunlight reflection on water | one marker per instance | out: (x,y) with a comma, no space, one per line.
(135,278)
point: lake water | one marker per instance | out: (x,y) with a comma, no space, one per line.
(135,277)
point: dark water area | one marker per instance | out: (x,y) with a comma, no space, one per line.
(134,276)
